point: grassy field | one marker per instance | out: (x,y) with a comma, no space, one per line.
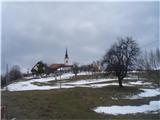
(76,103)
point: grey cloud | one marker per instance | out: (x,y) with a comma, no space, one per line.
(33,31)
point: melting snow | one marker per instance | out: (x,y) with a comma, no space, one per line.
(146,93)
(140,83)
(115,110)
(104,84)
(27,85)
(152,107)
(85,73)
(24,87)
(93,83)
(82,82)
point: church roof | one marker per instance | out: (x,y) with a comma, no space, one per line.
(66,55)
(56,66)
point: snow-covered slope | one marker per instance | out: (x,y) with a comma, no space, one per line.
(93,83)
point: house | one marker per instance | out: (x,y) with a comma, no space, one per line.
(39,68)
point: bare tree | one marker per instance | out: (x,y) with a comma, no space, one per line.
(3,80)
(149,63)
(121,57)
(75,69)
(149,60)
(158,57)
(143,61)
(15,73)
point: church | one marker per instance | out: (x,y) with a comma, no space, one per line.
(56,67)
(62,66)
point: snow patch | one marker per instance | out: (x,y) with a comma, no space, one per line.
(115,110)
(105,84)
(82,82)
(27,85)
(146,93)
(140,83)
(85,73)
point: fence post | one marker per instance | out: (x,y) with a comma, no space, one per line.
(4,112)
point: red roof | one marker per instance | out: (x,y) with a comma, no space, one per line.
(56,66)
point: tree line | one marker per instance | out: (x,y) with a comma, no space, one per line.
(12,75)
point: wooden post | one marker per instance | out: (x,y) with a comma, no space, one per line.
(7,76)
(60,77)
(4,112)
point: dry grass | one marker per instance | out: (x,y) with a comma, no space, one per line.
(74,103)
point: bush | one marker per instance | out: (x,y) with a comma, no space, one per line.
(3,80)
(15,73)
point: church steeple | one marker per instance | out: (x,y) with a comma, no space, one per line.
(66,55)
(66,58)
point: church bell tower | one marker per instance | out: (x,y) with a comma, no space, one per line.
(66,58)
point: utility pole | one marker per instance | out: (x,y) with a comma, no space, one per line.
(27,71)
(7,76)
(4,112)
(60,77)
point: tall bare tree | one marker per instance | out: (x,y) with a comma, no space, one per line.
(121,57)
(75,68)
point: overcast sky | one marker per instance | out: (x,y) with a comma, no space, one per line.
(33,31)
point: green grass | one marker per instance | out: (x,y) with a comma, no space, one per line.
(76,103)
